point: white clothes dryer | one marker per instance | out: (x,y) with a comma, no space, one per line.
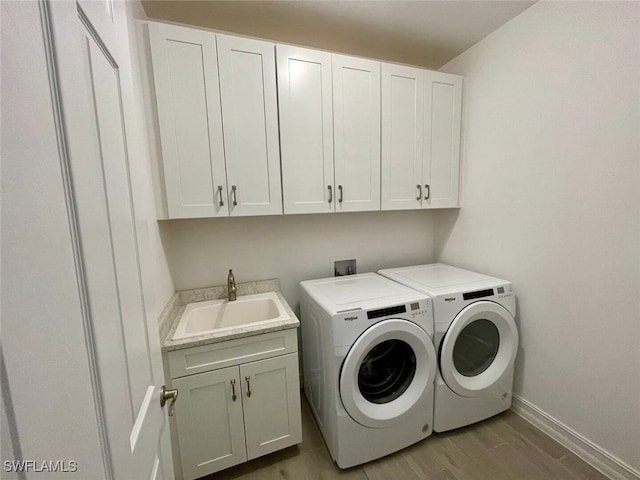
(369,364)
(476,339)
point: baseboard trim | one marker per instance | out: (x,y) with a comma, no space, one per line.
(591,453)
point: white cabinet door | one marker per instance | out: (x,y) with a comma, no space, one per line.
(250,118)
(209,422)
(306,129)
(271,399)
(185,73)
(402,137)
(443,108)
(356,117)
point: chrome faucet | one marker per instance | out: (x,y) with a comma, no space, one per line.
(231,286)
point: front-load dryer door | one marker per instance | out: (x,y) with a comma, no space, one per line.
(478,349)
(387,372)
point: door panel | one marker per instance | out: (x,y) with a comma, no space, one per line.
(102,17)
(443,109)
(306,129)
(271,399)
(185,73)
(250,118)
(402,136)
(356,107)
(95,93)
(105,83)
(210,422)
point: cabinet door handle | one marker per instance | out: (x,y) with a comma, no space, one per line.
(233,390)
(221,203)
(340,191)
(166,395)
(419,187)
(233,192)
(330,193)
(248,378)
(428,188)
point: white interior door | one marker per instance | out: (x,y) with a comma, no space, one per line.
(356,123)
(402,135)
(306,129)
(94,78)
(250,121)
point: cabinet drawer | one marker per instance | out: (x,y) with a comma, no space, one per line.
(231,352)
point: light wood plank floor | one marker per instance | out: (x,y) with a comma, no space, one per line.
(505,447)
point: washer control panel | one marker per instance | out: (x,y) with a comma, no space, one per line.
(355,321)
(418,309)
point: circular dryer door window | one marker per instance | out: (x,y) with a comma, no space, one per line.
(479,348)
(387,373)
(476,347)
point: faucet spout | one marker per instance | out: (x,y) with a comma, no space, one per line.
(231,286)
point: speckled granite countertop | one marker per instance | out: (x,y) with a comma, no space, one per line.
(170,316)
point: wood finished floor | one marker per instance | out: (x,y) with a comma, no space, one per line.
(501,448)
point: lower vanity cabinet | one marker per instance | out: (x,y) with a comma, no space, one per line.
(209,423)
(230,415)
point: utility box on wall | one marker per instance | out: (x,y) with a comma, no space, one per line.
(344,267)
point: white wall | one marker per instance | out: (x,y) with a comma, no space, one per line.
(157,281)
(293,247)
(551,201)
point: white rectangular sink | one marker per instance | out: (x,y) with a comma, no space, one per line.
(212,316)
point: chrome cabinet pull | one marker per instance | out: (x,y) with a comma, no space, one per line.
(233,390)
(169,395)
(221,203)
(428,188)
(330,193)
(419,187)
(233,191)
(340,190)
(247,378)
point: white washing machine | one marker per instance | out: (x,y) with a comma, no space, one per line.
(476,339)
(369,364)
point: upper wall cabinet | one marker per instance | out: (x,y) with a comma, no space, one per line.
(421,114)
(250,121)
(306,129)
(442,120)
(356,124)
(402,137)
(335,133)
(329,131)
(207,84)
(185,73)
